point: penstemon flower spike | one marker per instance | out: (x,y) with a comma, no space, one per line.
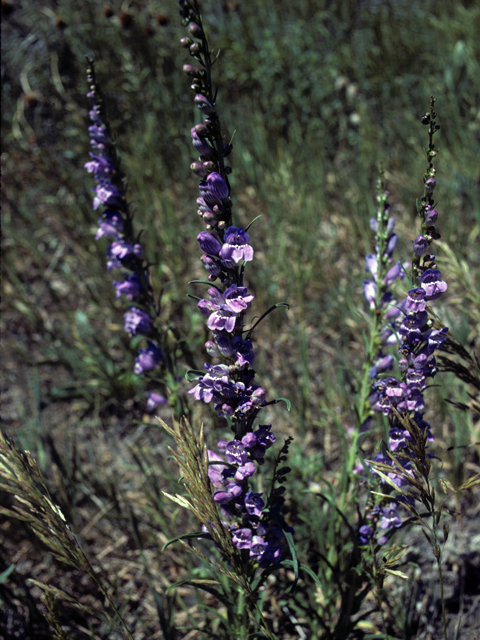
(256,525)
(406,459)
(125,253)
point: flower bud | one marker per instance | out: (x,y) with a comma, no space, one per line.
(431,215)
(195,48)
(212,349)
(191,71)
(198,169)
(186,42)
(217,186)
(204,104)
(209,217)
(208,243)
(430,185)
(201,130)
(138,250)
(200,144)
(211,265)
(195,30)
(420,245)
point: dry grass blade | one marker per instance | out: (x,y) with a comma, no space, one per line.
(20,476)
(192,459)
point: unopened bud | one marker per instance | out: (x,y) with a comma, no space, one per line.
(204,104)
(431,216)
(198,169)
(190,70)
(201,130)
(420,245)
(195,30)
(186,42)
(212,349)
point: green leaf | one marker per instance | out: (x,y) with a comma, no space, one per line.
(187,536)
(303,567)
(250,223)
(4,575)
(204,585)
(286,400)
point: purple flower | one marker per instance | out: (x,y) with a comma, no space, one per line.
(420,245)
(98,134)
(415,301)
(235,247)
(131,287)
(264,435)
(95,114)
(365,534)
(249,440)
(398,439)
(258,548)
(137,322)
(244,355)
(236,452)
(370,292)
(413,402)
(390,518)
(431,215)
(371,261)
(107,195)
(411,327)
(123,253)
(148,358)
(393,273)
(215,471)
(155,399)
(236,298)
(221,317)
(209,243)
(232,491)
(204,104)
(110,224)
(200,144)
(242,538)
(391,244)
(212,265)
(214,188)
(435,338)
(224,309)
(215,383)
(245,471)
(254,503)
(100,166)
(433,285)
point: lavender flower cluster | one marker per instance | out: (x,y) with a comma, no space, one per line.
(376,288)
(419,340)
(125,252)
(229,384)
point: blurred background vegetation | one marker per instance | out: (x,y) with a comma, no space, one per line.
(316,94)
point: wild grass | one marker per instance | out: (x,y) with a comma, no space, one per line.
(316,95)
